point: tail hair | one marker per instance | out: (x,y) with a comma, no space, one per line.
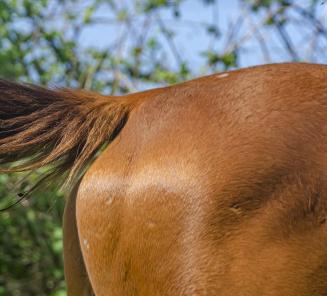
(59,128)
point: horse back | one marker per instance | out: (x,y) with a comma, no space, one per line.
(216,186)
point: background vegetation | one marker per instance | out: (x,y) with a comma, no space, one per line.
(123,46)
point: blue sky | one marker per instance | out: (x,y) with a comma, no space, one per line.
(191,38)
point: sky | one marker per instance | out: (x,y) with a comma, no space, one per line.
(190,40)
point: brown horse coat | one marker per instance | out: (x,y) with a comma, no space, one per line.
(216,186)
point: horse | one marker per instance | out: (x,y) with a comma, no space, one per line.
(214,186)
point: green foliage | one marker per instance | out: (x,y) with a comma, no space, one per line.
(30,242)
(150,5)
(226,61)
(262,4)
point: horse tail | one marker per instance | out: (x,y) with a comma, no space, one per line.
(61,129)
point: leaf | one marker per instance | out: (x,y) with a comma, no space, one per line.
(122,15)
(213,30)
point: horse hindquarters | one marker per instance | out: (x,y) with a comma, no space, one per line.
(77,280)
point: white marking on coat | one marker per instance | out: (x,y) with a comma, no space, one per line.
(223,75)
(86,243)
